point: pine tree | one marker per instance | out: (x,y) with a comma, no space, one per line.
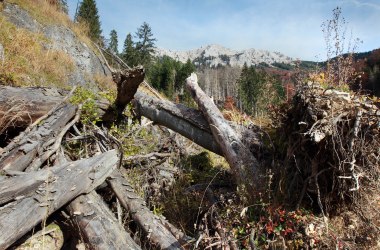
(88,12)
(129,52)
(113,44)
(145,45)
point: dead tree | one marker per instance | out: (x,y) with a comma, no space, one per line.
(244,165)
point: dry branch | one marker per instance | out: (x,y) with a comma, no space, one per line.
(98,225)
(62,184)
(157,233)
(244,165)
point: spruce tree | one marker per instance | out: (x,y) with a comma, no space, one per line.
(88,12)
(129,52)
(145,45)
(113,44)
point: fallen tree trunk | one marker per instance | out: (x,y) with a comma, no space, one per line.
(185,121)
(62,184)
(244,165)
(157,233)
(98,225)
(19,107)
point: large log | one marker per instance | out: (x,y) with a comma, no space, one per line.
(244,165)
(62,184)
(21,106)
(98,225)
(185,121)
(157,233)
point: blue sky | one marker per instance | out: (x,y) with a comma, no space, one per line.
(292,27)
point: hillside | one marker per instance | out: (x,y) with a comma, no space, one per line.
(42,47)
(214,55)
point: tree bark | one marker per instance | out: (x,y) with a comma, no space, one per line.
(19,107)
(61,185)
(98,225)
(157,233)
(183,120)
(127,83)
(244,165)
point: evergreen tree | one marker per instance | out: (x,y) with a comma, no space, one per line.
(258,90)
(145,45)
(129,52)
(113,44)
(88,12)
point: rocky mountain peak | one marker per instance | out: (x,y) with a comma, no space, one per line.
(215,54)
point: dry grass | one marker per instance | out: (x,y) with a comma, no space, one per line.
(27,62)
(48,14)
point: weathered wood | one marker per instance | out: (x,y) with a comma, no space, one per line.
(98,225)
(19,107)
(62,184)
(244,165)
(185,121)
(21,154)
(157,233)
(127,82)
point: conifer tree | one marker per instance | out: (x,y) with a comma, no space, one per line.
(145,45)
(129,52)
(88,12)
(113,44)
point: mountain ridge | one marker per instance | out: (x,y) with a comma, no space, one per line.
(215,54)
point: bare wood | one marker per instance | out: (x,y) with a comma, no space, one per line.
(37,163)
(34,142)
(63,183)
(244,165)
(185,121)
(157,233)
(127,83)
(26,104)
(98,225)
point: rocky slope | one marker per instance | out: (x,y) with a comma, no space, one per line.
(87,64)
(214,55)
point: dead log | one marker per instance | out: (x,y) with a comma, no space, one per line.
(185,121)
(35,142)
(19,107)
(98,225)
(157,233)
(244,165)
(62,184)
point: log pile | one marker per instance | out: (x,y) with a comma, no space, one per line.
(38,178)
(332,141)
